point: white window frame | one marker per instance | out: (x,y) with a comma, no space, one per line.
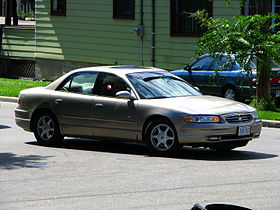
(274,5)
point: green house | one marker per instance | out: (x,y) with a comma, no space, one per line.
(78,33)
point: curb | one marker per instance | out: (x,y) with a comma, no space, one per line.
(8,99)
(265,123)
(271,123)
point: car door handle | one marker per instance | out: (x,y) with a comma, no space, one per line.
(58,101)
(99,105)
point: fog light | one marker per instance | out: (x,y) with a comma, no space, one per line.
(214,138)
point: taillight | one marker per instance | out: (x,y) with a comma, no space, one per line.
(18,100)
(254,81)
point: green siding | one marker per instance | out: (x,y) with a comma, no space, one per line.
(89,34)
(18,43)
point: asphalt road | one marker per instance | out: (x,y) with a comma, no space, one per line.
(85,174)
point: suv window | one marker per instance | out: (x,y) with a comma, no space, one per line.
(80,83)
(109,84)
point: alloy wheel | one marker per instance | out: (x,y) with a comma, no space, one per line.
(230,94)
(45,128)
(162,137)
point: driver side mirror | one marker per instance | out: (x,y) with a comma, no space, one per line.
(187,67)
(125,95)
(197,88)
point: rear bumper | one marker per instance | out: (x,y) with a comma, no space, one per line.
(206,134)
(23,123)
(246,92)
(22,119)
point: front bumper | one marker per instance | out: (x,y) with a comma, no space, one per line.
(216,133)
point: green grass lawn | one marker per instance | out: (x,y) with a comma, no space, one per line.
(12,87)
(269,115)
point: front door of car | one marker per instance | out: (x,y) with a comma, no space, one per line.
(72,104)
(113,117)
(217,75)
(197,71)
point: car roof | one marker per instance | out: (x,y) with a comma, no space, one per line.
(117,70)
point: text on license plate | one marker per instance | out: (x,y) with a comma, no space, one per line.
(244,130)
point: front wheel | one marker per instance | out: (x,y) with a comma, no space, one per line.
(161,137)
(46,129)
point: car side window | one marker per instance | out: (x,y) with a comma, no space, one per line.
(82,83)
(222,63)
(202,64)
(109,84)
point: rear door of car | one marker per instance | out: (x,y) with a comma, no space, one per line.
(113,117)
(72,103)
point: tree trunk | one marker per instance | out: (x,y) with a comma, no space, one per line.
(263,72)
(14,12)
(11,11)
(8,13)
(263,63)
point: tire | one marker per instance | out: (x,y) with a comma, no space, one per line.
(161,138)
(46,129)
(230,93)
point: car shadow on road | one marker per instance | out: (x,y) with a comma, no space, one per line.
(11,161)
(140,149)
(4,127)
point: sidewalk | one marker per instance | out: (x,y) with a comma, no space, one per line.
(266,123)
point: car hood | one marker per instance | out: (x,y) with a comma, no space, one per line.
(202,105)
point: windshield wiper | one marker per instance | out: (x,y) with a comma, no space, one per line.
(151,78)
(158,97)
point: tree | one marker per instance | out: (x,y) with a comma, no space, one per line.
(249,37)
(11,11)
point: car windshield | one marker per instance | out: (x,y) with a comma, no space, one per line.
(160,85)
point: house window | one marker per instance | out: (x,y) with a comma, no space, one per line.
(123,9)
(275,10)
(181,21)
(251,8)
(58,7)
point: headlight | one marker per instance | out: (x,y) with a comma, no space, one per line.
(255,115)
(202,119)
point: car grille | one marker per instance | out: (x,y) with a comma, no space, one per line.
(238,118)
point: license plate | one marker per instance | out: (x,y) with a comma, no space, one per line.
(244,130)
(277,93)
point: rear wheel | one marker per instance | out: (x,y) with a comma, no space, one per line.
(230,93)
(46,129)
(161,137)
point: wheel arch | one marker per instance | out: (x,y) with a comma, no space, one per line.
(36,113)
(227,86)
(152,118)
